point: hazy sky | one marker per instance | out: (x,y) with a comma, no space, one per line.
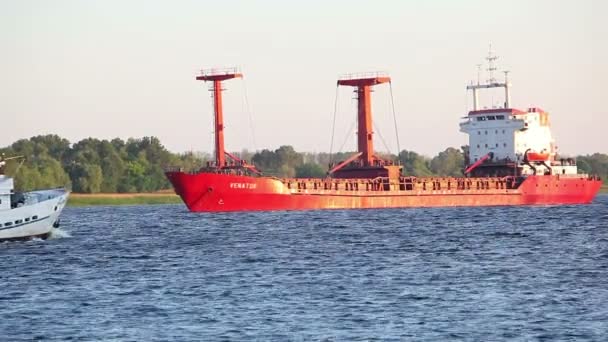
(108,69)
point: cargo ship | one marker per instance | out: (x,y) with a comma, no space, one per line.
(512,160)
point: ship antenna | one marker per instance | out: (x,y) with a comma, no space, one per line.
(491,67)
(507,92)
(478,74)
(395,118)
(333,126)
(249,113)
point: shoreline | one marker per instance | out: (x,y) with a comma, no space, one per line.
(80,199)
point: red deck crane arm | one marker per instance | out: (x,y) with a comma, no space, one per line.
(344,163)
(243,163)
(479,162)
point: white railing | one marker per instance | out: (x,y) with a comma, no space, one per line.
(220,71)
(363,75)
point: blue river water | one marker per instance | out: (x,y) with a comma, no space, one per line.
(160,273)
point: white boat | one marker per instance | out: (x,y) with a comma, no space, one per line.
(28,215)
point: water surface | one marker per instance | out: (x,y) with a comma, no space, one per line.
(157,273)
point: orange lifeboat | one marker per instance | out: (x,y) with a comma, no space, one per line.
(535,156)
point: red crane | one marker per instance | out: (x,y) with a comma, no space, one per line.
(364,84)
(217,76)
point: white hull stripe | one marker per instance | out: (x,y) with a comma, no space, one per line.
(24,223)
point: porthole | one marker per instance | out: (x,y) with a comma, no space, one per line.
(35,217)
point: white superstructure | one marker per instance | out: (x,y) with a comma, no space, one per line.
(6,189)
(511,136)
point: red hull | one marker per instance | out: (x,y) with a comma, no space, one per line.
(212,192)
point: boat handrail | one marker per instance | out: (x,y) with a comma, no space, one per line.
(220,71)
(359,75)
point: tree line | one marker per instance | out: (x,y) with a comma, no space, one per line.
(137,165)
(93,165)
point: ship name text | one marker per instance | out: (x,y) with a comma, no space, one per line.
(243,185)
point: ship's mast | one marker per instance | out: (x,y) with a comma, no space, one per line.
(364,83)
(491,82)
(491,67)
(217,76)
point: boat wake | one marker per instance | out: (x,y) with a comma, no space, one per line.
(58,233)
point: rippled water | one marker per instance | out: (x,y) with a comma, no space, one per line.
(157,273)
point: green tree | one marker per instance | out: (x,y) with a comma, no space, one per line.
(27,178)
(86,178)
(51,173)
(310,170)
(189,161)
(85,151)
(583,166)
(266,161)
(414,164)
(289,159)
(23,147)
(55,146)
(135,178)
(112,166)
(282,162)
(596,164)
(448,163)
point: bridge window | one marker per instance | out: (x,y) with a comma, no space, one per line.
(500,117)
(486,132)
(504,144)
